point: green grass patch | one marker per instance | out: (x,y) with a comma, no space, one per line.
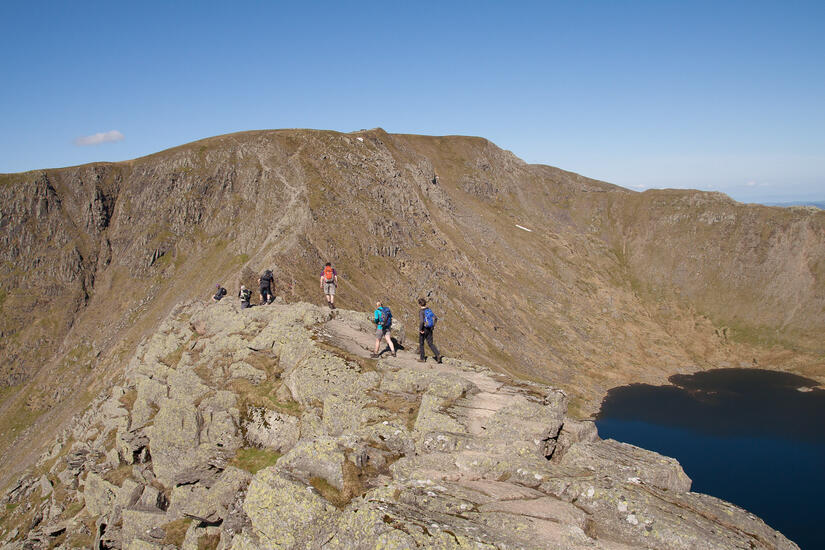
(118,475)
(72,510)
(79,356)
(327,491)
(263,396)
(403,406)
(575,408)
(208,542)
(353,486)
(162,261)
(128,399)
(18,417)
(172,359)
(7,179)
(176,531)
(82,539)
(760,336)
(252,460)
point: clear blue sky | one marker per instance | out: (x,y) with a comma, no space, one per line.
(716,95)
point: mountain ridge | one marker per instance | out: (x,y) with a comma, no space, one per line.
(603,292)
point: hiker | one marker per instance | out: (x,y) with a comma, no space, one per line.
(382,317)
(426,324)
(266,281)
(219,294)
(329,280)
(244,294)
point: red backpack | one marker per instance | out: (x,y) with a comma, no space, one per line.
(329,274)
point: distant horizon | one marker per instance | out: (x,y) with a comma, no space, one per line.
(705,95)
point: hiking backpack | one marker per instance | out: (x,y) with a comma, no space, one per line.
(429,318)
(386,317)
(329,274)
(246,294)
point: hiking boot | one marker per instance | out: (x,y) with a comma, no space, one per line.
(439,358)
(422,360)
(374,356)
(393,354)
(331,305)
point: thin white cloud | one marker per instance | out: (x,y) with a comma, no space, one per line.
(751,184)
(98,138)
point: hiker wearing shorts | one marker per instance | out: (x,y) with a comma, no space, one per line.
(382,317)
(329,281)
(426,325)
(266,281)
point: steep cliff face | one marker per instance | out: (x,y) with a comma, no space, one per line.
(757,269)
(607,287)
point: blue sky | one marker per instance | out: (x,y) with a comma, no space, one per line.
(718,95)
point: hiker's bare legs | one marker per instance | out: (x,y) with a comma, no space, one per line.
(377,343)
(389,341)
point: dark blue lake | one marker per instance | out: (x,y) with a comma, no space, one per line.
(747,436)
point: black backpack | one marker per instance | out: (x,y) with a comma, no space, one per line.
(246,294)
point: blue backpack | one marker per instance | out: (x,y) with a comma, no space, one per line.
(429,318)
(386,317)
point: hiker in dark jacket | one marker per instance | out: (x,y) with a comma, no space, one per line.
(244,294)
(266,282)
(426,325)
(219,294)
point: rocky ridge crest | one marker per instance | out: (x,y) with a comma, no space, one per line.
(272,428)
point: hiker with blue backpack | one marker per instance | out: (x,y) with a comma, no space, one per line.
(382,317)
(426,324)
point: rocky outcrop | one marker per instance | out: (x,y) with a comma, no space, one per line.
(316,445)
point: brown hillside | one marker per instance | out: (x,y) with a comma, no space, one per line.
(609,287)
